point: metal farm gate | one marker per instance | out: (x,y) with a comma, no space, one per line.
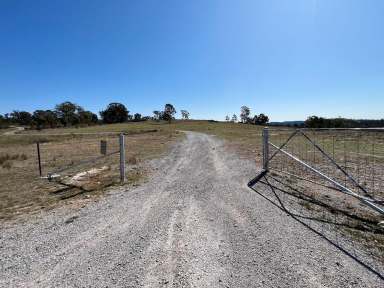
(332,181)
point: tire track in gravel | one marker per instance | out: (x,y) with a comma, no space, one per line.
(195,224)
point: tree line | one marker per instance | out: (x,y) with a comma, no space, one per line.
(246,118)
(321,122)
(68,114)
(63,115)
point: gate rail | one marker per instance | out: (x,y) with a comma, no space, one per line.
(368,200)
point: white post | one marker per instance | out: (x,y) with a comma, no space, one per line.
(122,158)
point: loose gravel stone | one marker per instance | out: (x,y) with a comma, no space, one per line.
(194,224)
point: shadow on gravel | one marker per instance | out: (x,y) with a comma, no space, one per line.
(357,236)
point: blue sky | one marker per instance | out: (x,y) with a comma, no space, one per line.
(286,58)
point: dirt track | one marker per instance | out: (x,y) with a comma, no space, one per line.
(14,131)
(195,224)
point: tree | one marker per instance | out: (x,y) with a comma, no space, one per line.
(95,119)
(168,112)
(234,118)
(244,114)
(227,118)
(21,117)
(315,122)
(4,122)
(184,114)
(260,119)
(156,115)
(114,113)
(263,119)
(137,117)
(45,119)
(339,122)
(87,117)
(39,120)
(67,112)
(52,121)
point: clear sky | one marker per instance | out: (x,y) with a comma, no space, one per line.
(286,58)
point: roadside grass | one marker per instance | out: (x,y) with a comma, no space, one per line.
(22,191)
(244,138)
(4,130)
(64,147)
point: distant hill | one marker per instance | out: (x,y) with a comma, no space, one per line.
(288,123)
(320,122)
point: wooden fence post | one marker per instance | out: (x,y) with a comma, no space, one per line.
(122,158)
(39,158)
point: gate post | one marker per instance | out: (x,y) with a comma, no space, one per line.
(122,158)
(38,157)
(265,148)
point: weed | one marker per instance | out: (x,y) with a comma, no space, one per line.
(306,205)
(132,160)
(7,165)
(7,157)
(23,157)
(4,158)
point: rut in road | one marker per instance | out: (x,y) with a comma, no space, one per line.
(194,224)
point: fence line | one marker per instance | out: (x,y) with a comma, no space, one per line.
(76,154)
(304,172)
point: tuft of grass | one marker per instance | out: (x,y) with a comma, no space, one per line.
(306,205)
(23,157)
(7,165)
(373,240)
(7,157)
(135,177)
(4,158)
(132,160)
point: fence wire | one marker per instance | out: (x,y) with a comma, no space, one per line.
(353,158)
(81,162)
(75,163)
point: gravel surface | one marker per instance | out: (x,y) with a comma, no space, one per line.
(194,224)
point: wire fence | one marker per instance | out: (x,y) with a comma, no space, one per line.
(37,170)
(331,180)
(72,164)
(86,163)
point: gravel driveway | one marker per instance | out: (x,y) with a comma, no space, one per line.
(194,224)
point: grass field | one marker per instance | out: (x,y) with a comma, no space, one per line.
(22,191)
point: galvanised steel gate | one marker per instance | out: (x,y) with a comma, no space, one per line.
(332,181)
(361,191)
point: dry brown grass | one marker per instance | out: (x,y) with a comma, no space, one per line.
(23,191)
